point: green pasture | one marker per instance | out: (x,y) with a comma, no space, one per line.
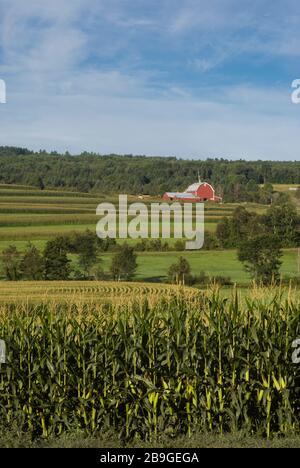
(154,266)
(213,263)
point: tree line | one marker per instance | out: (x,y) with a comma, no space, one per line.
(281,220)
(54,262)
(112,174)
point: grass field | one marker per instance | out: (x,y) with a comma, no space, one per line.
(213,263)
(154,266)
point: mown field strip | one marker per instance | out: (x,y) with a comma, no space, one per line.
(50,231)
(15,200)
(42,193)
(44,209)
(47,219)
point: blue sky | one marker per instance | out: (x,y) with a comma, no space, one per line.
(188,78)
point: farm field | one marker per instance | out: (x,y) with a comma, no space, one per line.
(44,214)
(180,366)
(90,291)
(28,214)
(119,294)
(37,216)
(213,263)
(195,355)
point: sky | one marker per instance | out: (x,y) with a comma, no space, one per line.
(187,78)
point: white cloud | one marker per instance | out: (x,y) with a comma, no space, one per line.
(231,127)
(62,96)
(232,28)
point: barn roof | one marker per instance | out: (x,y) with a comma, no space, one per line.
(180,195)
(195,187)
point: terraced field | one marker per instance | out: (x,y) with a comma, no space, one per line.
(29,214)
(34,214)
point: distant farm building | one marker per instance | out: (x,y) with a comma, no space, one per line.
(198,192)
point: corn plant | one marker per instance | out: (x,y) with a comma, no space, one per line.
(176,366)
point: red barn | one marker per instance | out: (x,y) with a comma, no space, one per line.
(198,192)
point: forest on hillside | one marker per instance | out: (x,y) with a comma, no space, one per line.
(90,172)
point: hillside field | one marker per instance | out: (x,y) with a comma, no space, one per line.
(29,214)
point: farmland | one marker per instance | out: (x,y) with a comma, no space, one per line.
(117,293)
(89,291)
(188,364)
(154,266)
(29,214)
(36,215)
(143,358)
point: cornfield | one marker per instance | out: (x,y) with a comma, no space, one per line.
(178,366)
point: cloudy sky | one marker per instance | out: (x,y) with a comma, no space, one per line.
(189,78)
